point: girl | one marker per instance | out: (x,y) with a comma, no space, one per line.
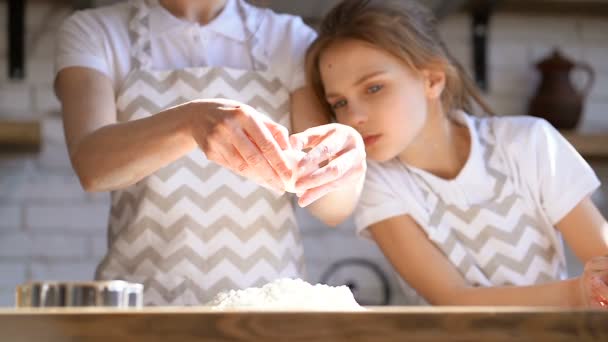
(469,210)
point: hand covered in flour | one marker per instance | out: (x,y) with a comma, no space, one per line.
(593,283)
(335,158)
(243,140)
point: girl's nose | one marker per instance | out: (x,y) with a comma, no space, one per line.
(359,119)
(357,116)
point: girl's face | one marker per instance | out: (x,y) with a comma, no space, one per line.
(377,94)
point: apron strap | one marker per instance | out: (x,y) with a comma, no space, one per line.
(139,34)
(251,38)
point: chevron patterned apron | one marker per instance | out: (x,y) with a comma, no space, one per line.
(194,228)
(497,242)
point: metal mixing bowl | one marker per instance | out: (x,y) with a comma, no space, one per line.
(113,293)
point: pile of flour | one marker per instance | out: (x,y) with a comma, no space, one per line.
(291,294)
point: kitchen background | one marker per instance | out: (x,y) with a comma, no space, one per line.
(51,229)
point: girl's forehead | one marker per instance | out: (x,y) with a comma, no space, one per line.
(345,54)
(350,43)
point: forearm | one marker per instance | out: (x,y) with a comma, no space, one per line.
(121,154)
(564,293)
(338,205)
(335,206)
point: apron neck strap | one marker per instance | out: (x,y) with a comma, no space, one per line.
(139,34)
(251,39)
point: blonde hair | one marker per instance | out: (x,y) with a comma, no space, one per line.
(408,31)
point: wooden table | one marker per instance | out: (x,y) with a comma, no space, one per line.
(375,324)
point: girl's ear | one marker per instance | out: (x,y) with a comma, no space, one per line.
(434,83)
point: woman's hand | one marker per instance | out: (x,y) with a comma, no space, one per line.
(593,283)
(242,139)
(336,158)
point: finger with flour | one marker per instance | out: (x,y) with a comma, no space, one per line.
(293,157)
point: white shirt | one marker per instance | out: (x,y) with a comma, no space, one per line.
(545,170)
(99,39)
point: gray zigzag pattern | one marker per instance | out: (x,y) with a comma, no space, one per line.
(138,30)
(204,263)
(468,216)
(202,172)
(448,246)
(143,102)
(200,82)
(492,232)
(512,238)
(501,208)
(501,178)
(535,251)
(207,233)
(203,202)
(500,259)
(202,295)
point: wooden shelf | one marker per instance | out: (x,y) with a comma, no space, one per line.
(588,145)
(19,136)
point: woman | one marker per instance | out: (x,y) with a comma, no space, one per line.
(141,84)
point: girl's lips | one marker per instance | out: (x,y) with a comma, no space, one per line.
(371,139)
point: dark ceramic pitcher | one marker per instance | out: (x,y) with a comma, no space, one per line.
(556,99)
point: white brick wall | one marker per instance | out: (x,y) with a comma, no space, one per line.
(15,98)
(51,229)
(10,217)
(15,246)
(77,217)
(516,43)
(12,274)
(64,270)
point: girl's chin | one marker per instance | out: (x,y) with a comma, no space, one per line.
(379,157)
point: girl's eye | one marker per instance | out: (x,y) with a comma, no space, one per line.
(338,104)
(374,89)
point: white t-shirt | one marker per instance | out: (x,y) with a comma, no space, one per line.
(546,171)
(99,39)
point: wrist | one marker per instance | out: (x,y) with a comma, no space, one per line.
(361,180)
(576,295)
(185,122)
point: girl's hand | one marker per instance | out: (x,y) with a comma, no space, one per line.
(336,158)
(593,283)
(242,139)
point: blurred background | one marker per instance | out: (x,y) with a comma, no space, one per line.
(51,230)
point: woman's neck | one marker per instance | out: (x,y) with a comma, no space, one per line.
(442,147)
(201,11)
